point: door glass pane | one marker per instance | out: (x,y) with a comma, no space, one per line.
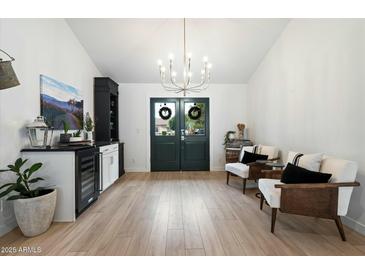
(194,118)
(165,119)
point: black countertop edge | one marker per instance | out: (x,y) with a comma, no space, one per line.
(68,148)
(58,148)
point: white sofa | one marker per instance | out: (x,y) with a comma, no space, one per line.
(243,170)
(328,200)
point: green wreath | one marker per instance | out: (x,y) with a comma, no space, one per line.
(194,113)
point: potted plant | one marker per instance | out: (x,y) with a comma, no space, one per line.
(89,126)
(65,137)
(76,136)
(33,206)
(228,137)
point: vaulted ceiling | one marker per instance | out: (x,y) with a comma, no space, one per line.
(127,49)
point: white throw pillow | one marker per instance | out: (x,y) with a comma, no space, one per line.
(308,161)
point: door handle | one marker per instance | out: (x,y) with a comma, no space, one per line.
(101,183)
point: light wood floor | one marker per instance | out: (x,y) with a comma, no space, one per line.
(186,213)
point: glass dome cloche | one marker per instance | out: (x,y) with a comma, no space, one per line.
(38,132)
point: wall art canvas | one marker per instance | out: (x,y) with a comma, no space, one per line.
(61,102)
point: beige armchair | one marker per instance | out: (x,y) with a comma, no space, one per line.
(324,200)
(251,171)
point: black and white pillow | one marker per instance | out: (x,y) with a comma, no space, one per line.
(249,157)
(293,174)
(308,161)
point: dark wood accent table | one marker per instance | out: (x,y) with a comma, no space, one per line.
(232,155)
(273,165)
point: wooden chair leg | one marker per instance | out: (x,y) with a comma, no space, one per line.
(340,228)
(244,186)
(262,198)
(273,219)
(227,178)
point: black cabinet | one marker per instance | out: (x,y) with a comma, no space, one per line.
(86,178)
(106,109)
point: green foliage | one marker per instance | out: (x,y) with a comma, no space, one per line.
(89,125)
(66,126)
(172,123)
(77,133)
(23,182)
(226,137)
(193,125)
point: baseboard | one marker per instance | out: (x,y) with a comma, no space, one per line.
(217,168)
(5,228)
(136,170)
(353,224)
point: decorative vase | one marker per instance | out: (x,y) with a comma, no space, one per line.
(65,138)
(35,215)
(241,128)
(89,135)
(76,139)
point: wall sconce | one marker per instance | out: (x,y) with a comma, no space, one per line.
(8,77)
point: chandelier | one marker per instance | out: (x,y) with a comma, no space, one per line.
(186,85)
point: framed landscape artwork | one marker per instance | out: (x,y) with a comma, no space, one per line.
(61,102)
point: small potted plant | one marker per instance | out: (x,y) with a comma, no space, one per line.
(76,136)
(65,137)
(89,126)
(228,137)
(34,207)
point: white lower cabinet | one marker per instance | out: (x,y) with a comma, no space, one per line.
(109,165)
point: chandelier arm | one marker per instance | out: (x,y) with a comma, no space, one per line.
(204,81)
(172,80)
(173,87)
(174,83)
(203,88)
(188,83)
(168,87)
(200,85)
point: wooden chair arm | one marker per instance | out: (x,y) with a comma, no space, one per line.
(316,200)
(317,186)
(263,162)
(272,174)
(255,164)
(274,159)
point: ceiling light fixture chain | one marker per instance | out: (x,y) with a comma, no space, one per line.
(186,85)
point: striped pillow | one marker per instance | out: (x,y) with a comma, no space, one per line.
(308,161)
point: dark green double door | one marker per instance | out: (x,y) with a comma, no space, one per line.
(179,134)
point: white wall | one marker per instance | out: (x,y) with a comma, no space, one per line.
(40,46)
(227,108)
(308,95)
